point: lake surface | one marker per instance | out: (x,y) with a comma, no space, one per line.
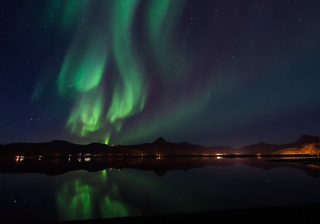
(226,183)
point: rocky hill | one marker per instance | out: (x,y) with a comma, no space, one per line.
(308,148)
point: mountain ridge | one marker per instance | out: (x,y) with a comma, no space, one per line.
(159,147)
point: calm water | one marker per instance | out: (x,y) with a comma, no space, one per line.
(129,192)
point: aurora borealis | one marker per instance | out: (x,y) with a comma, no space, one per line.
(222,72)
(77,200)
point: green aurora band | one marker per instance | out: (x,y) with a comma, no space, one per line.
(103,73)
(84,68)
(161,18)
(74,202)
(129,94)
(77,200)
(67,11)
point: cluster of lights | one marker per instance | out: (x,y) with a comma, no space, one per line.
(87,157)
(159,156)
(112,169)
(217,154)
(19,158)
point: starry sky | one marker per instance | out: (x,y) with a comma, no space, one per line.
(223,72)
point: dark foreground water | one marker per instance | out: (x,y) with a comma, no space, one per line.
(225,184)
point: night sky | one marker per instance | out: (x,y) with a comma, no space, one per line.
(222,72)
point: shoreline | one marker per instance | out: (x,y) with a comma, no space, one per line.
(301,213)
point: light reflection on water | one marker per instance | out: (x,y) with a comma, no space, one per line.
(110,193)
(79,199)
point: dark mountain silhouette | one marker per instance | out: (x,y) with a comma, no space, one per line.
(264,148)
(301,141)
(160,141)
(306,144)
(159,147)
(308,148)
